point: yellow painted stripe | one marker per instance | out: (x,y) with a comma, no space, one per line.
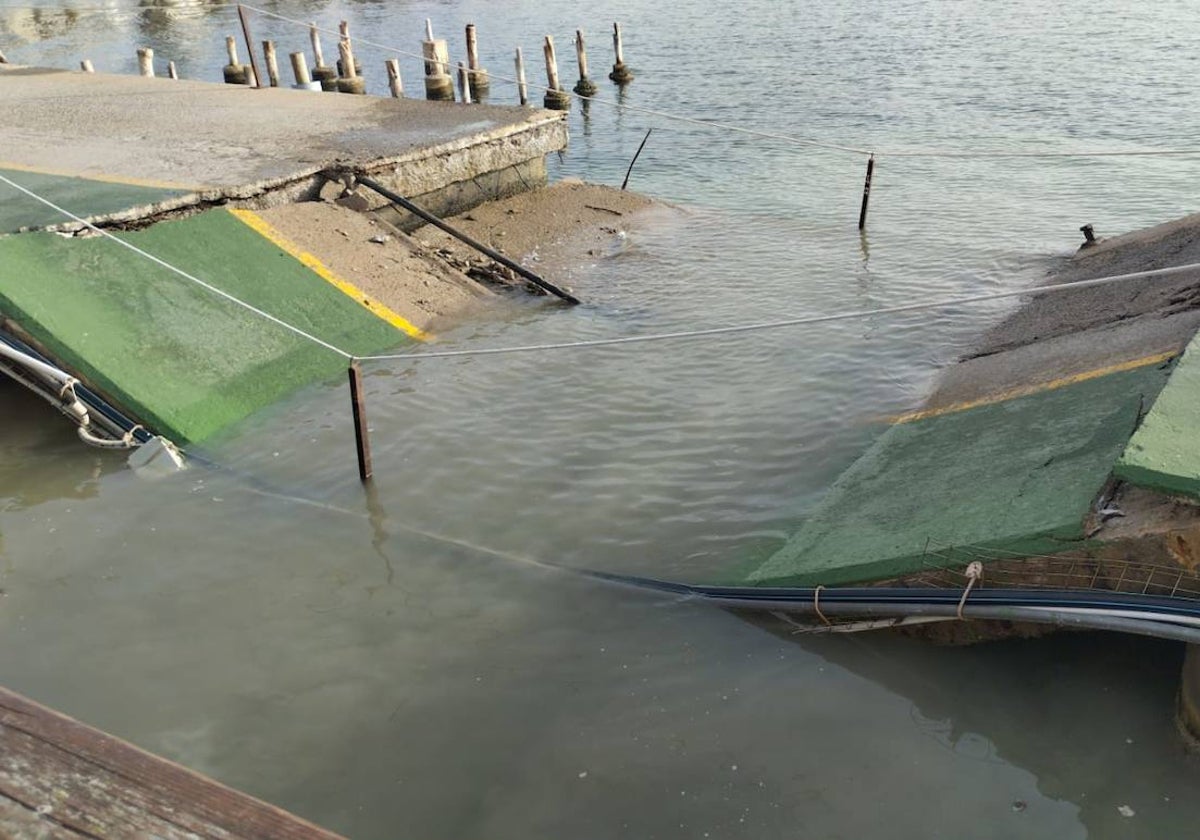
(1026,390)
(264,229)
(107,179)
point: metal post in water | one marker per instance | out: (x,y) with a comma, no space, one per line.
(359,409)
(866,199)
(257,82)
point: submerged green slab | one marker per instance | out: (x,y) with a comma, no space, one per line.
(173,354)
(82,196)
(1164,454)
(1014,476)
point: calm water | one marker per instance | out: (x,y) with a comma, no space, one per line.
(394,665)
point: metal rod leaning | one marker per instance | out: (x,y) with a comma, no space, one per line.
(245,19)
(396,198)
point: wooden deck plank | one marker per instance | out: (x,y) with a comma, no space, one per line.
(62,779)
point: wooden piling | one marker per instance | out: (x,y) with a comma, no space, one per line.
(585,86)
(314,35)
(477,76)
(272,62)
(439,85)
(236,73)
(352,83)
(395,84)
(556,98)
(145,57)
(358,409)
(256,80)
(172,73)
(321,72)
(620,74)
(349,70)
(300,73)
(86,66)
(353,69)
(522,85)
(866,199)
(464,84)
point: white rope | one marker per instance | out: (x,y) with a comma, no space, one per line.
(792,322)
(250,307)
(803,141)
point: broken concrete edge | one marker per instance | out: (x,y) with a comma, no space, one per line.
(504,146)
(1162,482)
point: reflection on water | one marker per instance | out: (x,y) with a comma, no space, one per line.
(412,660)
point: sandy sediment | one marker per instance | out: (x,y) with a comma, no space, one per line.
(559,222)
(385,264)
(430,278)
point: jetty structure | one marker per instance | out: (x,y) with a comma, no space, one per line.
(63,780)
(216,300)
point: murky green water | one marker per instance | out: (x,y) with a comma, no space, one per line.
(392,665)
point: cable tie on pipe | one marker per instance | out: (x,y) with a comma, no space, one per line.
(974,574)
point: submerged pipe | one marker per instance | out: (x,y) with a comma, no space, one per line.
(396,198)
(1166,617)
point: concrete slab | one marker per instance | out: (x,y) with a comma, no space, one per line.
(1163,455)
(1015,476)
(183,361)
(230,141)
(1059,361)
(1080,310)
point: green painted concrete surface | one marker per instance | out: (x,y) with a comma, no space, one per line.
(1164,454)
(168,351)
(1017,476)
(81,196)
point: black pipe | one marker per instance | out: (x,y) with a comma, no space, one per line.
(396,198)
(781,598)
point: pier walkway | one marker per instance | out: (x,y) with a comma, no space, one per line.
(63,780)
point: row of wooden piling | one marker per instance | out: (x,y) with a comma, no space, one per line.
(346,76)
(441,75)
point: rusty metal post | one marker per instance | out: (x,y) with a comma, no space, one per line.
(862,214)
(258,77)
(359,409)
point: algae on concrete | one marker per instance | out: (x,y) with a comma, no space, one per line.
(1016,476)
(82,196)
(171,353)
(1164,454)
